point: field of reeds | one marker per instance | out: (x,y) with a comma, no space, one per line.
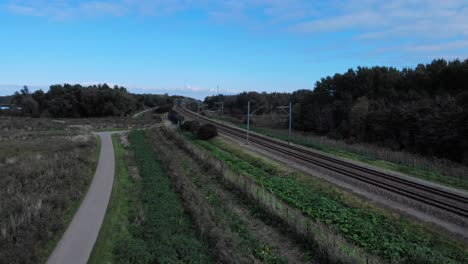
(44,173)
(8,123)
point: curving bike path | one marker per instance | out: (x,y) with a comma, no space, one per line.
(77,242)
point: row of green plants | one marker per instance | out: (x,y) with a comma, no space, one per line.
(204,182)
(164,233)
(249,243)
(317,241)
(391,239)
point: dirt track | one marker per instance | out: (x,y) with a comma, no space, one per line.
(77,242)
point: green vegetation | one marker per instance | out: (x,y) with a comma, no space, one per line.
(116,223)
(162,232)
(420,110)
(234,230)
(431,175)
(44,175)
(249,243)
(5,99)
(389,238)
(84,101)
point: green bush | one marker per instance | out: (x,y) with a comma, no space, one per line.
(190,126)
(175,117)
(207,131)
(132,250)
(163,109)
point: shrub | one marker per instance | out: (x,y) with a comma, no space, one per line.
(163,109)
(132,250)
(175,117)
(191,126)
(207,131)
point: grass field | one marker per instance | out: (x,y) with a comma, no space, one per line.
(234,229)
(391,238)
(146,222)
(44,174)
(228,189)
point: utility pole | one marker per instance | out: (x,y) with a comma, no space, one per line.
(222,110)
(283,109)
(248,121)
(290,122)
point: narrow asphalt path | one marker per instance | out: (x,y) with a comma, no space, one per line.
(77,242)
(144,111)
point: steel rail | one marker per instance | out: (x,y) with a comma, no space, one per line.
(288,150)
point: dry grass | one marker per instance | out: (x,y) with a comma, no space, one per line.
(44,173)
(8,124)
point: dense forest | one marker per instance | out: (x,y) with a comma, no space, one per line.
(5,99)
(422,110)
(79,101)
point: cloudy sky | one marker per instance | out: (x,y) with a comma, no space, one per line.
(190,47)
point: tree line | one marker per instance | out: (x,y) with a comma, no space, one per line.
(84,101)
(422,109)
(5,99)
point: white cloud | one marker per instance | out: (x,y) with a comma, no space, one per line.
(441,47)
(411,25)
(389,19)
(371,18)
(100,8)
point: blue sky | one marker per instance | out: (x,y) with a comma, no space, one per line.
(189,47)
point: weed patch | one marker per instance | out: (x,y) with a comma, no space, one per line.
(398,241)
(166,234)
(44,175)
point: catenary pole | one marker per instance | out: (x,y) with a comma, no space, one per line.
(248,121)
(290,122)
(222,111)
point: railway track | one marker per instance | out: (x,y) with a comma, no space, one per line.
(438,198)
